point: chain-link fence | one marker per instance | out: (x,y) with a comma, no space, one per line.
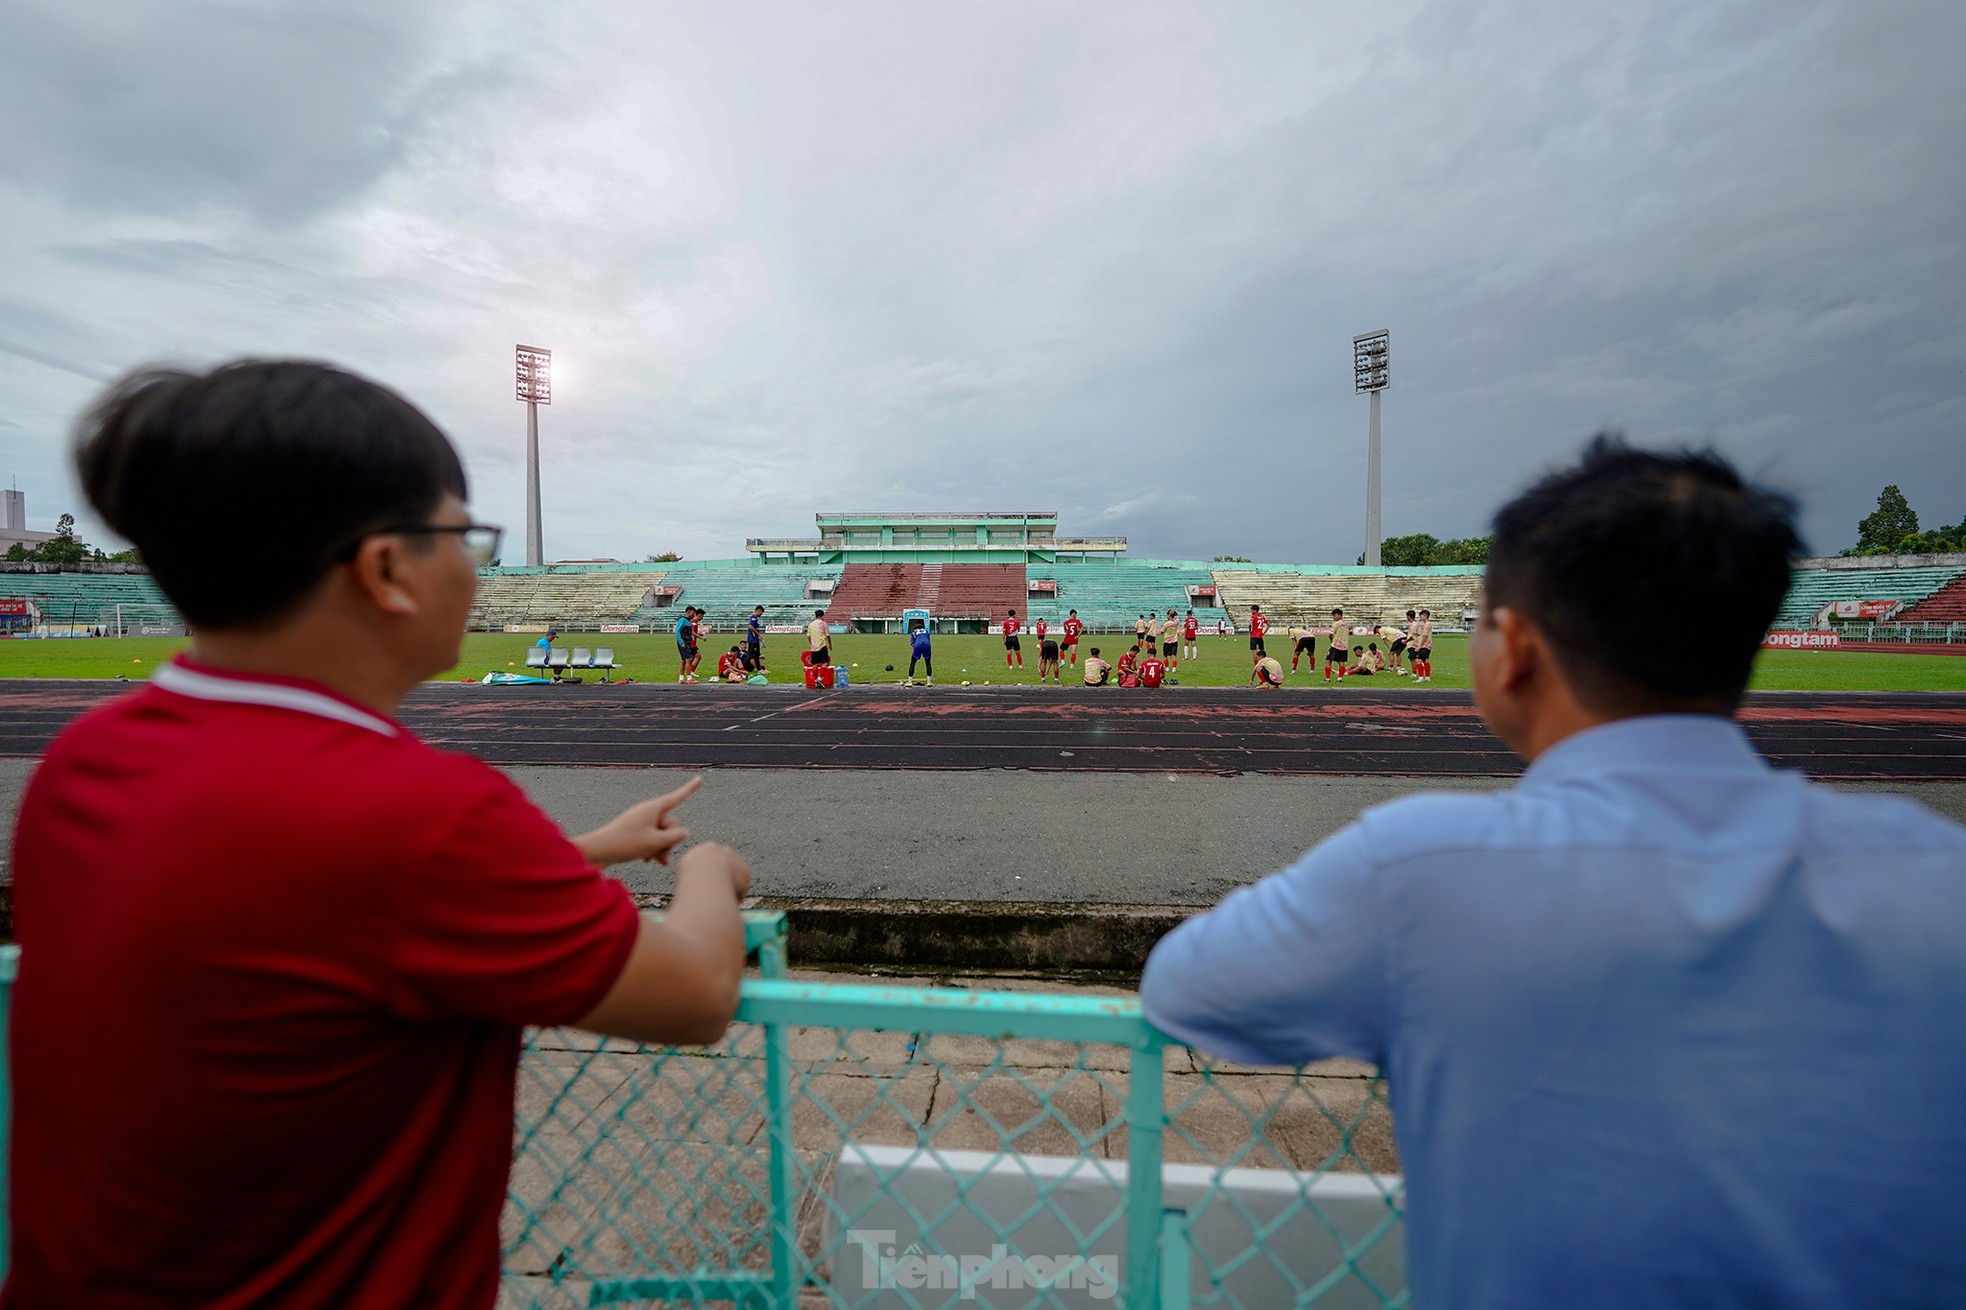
(856,1146)
(867,1146)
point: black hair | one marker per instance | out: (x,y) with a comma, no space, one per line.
(819,614)
(241,486)
(1411,615)
(1095,650)
(1627,532)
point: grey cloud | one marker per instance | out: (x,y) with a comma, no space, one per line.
(281,112)
(879,255)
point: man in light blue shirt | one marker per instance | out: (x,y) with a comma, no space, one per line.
(1662,1025)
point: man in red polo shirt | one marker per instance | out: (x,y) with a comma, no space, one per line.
(276,952)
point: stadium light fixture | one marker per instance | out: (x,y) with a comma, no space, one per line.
(1372,373)
(535,383)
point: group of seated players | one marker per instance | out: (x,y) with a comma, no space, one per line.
(1154,658)
(1412,643)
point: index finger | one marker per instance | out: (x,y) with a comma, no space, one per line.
(670,800)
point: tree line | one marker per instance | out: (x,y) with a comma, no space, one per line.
(67,548)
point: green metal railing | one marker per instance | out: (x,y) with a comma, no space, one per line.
(855,1145)
(712,1176)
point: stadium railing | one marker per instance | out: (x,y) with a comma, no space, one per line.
(850,1145)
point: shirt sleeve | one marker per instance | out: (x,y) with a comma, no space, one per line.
(1289,970)
(505,920)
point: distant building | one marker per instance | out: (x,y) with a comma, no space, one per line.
(936,539)
(13,523)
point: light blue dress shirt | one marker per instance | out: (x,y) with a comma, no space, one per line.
(1661,1026)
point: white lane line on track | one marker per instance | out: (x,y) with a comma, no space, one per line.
(775,713)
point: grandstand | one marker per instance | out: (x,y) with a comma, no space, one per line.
(1909,579)
(1946,605)
(1306,597)
(727,589)
(86,595)
(1109,599)
(564,600)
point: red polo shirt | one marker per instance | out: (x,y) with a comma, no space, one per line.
(276,954)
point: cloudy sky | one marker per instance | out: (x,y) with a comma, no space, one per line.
(1104,259)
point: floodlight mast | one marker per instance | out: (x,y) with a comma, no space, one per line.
(535,366)
(1372,373)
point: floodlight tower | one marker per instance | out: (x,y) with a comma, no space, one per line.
(1371,372)
(536,389)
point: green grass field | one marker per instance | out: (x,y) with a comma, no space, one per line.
(651,657)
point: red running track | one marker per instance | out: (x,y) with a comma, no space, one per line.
(1902,736)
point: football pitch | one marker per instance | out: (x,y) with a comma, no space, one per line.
(1224,662)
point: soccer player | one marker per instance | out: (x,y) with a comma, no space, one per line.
(1258,625)
(1367,661)
(1170,640)
(1264,671)
(1040,629)
(1421,643)
(686,645)
(1152,669)
(819,640)
(1341,645)
(1395,639)
(304,944)
(1071,643)
(696,628)
(1128,667)
(1048,660)
(754,636)
(1140,629)
(1305,648)
(730,666)
(1191,634)
(1097,671)
(1013,649)
(918,649)
(1150,640)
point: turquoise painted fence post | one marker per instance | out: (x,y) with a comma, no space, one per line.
(1146,1122)
(786,1276)
(9,969)
(1176,1274)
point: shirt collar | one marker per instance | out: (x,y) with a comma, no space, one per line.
(1648,742)
(183,678)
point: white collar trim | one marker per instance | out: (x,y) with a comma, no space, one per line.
(206,686)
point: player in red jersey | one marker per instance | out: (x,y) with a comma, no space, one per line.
(1152,669)
(1191,636)
(1258,625)
(1127,671)
(1071,643)
(1039,629)
(1013,649)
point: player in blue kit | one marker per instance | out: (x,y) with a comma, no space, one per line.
(918,649)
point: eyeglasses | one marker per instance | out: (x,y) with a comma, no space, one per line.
(481,541)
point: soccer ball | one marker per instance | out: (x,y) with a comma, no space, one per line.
(890,668)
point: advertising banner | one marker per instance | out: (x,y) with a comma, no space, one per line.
(14,607)
(621,627)
(1800,641)
(1865,609)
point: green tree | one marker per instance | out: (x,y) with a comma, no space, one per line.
(1421,549)
(1883,531)
(18,553)
(666,557)
(1230,559)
